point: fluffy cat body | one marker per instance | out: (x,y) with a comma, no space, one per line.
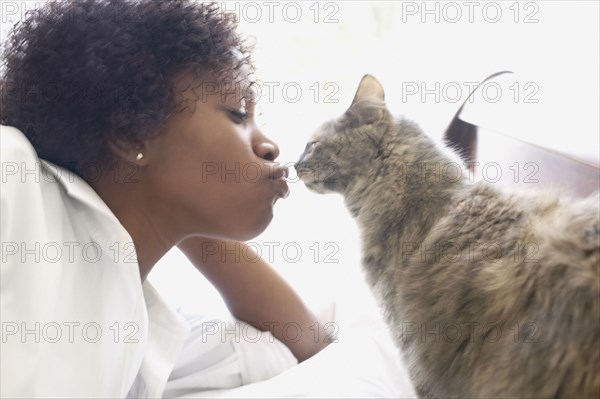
(488,293)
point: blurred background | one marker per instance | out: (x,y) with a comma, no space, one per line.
(428,55)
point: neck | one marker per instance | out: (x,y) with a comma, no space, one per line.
(407,192)
(141,219)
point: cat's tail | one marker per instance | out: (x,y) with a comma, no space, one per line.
(462,136)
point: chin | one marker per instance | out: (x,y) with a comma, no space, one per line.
(319,187)
(253,228)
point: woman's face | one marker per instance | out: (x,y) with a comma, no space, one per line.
(213,169)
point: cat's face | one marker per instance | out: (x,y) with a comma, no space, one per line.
(341,151)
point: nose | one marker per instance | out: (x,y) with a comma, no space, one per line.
(264,147)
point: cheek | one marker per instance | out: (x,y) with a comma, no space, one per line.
(240,210)
(216,183)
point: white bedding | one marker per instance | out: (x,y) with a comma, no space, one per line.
(362,364)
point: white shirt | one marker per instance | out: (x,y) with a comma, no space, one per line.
(76,319)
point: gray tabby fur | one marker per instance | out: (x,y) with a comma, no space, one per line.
(474,321)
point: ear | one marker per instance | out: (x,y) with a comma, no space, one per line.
(369,101)
(128,153)
(369,89)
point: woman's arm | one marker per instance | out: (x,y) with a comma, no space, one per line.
(255,293)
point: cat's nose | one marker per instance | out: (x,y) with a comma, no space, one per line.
(299,167)
(300,162)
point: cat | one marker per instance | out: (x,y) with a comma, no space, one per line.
(486,292)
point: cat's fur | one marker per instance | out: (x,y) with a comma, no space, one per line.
(487,293)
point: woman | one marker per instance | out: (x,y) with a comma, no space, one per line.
(125,130)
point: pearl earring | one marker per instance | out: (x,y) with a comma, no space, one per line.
(139,156)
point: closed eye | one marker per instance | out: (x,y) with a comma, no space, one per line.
(236,116)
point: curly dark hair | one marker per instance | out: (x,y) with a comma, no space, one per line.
(78,74)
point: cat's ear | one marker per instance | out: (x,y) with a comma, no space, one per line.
(368,104)
(369,89)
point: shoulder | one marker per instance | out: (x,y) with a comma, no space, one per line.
(14,146)
(19,165)
(30,197)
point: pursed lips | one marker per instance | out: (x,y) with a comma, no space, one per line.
(278,178)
